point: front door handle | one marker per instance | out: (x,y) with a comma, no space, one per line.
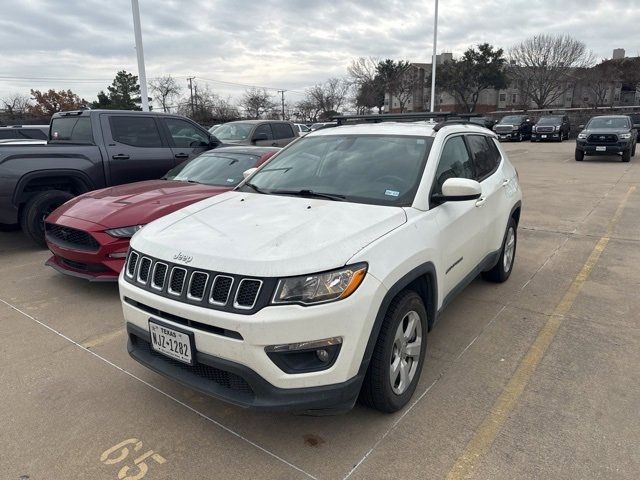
(505,182)
(274,144)
(181,155)
(481,202)
(120,156)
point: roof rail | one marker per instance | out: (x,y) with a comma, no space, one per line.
(393,117)
(439,125)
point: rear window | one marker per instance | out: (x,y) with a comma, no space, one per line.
(282,130)
(71,129)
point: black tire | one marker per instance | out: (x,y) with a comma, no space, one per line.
(633,150)
(520,137)
(37,209)
(502,270)
(626,155)
(377,391)
(579,155)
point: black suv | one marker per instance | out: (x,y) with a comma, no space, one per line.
(513,127)
(551,127)
(606,135)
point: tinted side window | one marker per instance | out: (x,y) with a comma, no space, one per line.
(72,129)
(484,157)
(7,134)
(282,130)
(33,133)
(184,134)
(135,131)
(264,128)
(454,163)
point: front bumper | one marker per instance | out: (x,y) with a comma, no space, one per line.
(98,265)
(257,381)
(514,135)
(608,149)
(541,137)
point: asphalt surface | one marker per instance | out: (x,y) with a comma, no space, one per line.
(534,378)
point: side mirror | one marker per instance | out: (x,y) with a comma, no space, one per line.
(247,173)
(258,137)
(459,190)
(213,141)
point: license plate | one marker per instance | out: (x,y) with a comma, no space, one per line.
(171,342)
(503,136)
(601,149)
(544,136)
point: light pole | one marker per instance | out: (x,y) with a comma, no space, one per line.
(433,59)
(142,76)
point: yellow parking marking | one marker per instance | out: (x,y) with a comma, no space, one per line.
(107,337)
(485,435)
(140,464)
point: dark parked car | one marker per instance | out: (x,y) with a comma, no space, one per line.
(514,127)
(22,132)
(262,133)
(486,122)
(551,127)
(607,135)
(91,149)
(635,119)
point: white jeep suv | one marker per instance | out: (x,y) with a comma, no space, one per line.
(316,281)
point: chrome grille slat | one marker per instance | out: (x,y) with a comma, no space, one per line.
(159,275)
(144,270)
(131,264)
(176,281)
(247,293)
(220,289)
(197,285)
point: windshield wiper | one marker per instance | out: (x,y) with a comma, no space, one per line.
(254,188)
(309,193)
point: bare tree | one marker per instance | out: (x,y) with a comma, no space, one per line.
(600,81)
(367,83)
(16,104)
(224,111)
(256,102)
(406,87)
(329,96)
(166,89)
(544,65)
(307,110)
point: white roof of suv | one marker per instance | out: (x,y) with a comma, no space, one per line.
(421,129)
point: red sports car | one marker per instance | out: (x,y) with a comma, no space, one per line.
(89,235)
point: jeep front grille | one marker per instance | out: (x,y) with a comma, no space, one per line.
(209,289)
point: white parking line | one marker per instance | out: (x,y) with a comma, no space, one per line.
(197,412)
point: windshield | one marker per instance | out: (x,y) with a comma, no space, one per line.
(608,122)
(375,169)
(512,120)
(303,128)
(219,169)
(233,131)
(550,121)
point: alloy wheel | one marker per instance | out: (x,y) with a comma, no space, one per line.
(405,354)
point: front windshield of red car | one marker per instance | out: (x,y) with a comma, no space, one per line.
(219,169)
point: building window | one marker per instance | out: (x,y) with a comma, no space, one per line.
(514,98)
(503,97)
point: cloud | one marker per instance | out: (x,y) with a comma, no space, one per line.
(276,43)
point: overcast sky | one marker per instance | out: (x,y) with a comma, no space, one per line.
(80,44)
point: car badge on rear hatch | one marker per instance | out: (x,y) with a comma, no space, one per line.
(181,257)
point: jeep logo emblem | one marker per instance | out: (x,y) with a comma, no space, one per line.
(181,257)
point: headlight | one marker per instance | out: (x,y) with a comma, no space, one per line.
(514,128)
(320,287)
(556,128)
(625,136)
(124,232)
(582,136)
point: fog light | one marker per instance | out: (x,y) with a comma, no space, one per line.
(323,355)
(305,357)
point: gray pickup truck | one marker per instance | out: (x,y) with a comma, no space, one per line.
(90,149)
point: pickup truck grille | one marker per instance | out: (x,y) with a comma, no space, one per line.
(215,290)
(602,138)
(503,129)
(67,237)
(545,129)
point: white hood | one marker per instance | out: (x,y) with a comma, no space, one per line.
(267,235)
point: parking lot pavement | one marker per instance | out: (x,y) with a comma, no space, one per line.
(534,378)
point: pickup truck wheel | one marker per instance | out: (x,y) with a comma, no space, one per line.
(502,270)
(633,150)
(398,356)
(37,209)
(626,155)
(579,155)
